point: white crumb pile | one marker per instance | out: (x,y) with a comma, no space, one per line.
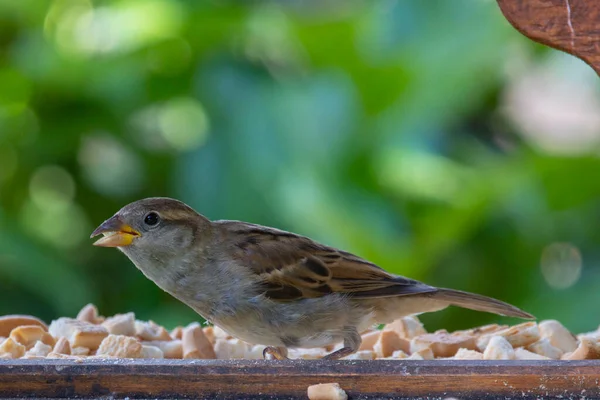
(90,335)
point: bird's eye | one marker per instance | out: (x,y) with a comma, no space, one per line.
(151,219)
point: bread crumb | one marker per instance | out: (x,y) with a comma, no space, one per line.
(466,354)
(254,352)
(544,348)
(326,391)
(196,344)
(518,336)
(498,348)
(388,342)
(171,348)
(177,332)
(481,330)
(558,335)
(522,354)
(406,327)
(369,339)
(40,349)
(62,346)
(227,349)
(79,333)
(151,331)
(151,352)
(120,346)
(89,313)
(10,322)
(28,335)
(443,344)
(80,351)
(10,346)
(587,350)
(120,324)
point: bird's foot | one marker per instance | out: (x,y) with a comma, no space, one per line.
(336,355)
(352,341)
(275,353)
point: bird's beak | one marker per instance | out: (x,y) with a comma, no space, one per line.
(116,233)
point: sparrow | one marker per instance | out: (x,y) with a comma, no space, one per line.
(270,287)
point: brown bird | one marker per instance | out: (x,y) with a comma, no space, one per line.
(271,287)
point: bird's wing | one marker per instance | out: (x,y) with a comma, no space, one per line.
(292,267)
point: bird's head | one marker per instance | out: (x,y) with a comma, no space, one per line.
(152,228)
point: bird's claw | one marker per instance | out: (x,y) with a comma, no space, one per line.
(273,353)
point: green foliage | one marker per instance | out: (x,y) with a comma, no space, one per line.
(376,127)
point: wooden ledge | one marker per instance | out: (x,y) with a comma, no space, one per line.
(290,379)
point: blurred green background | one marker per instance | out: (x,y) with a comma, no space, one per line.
(427,136)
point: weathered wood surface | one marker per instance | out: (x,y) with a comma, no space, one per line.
(572,26)
(289,379)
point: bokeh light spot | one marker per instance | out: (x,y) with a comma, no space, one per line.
(50,213)
(79,28)
(183,123)
(63,227)
(61,21)
(180,124)
(110,167)
(555,106)
(51,188)
(424,175)
(561,265)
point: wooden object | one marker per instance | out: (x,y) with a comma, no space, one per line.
(572,26)
(228,379)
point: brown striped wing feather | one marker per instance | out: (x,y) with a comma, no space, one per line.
(293,267)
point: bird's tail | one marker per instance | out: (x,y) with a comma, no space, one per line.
(479,303)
